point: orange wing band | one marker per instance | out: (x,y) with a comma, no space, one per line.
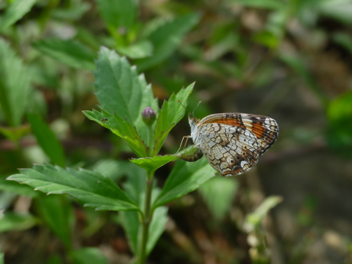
(231,122)
(258,130)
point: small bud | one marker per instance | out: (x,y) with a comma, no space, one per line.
(148,115)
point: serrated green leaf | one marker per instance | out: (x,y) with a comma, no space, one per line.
(93,189)
(121,91)
(170,114)
(152,164)
(15,79)
(218,193)
(12,221)
(138,50)
(15,12)
(121,128)
(118,13)
(15,187)
(184,178)
(88,255)
(72,53)
(47,140)
(165,39)
(56,213)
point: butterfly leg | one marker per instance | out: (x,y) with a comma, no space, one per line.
(187,137)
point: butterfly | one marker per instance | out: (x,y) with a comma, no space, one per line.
(232,142)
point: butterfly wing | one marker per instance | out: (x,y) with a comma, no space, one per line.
(232,143)
(264,128)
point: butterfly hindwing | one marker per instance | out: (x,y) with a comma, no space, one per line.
(233,142)
(228,151)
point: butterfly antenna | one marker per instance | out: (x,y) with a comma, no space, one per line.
(184,106)
(196,107)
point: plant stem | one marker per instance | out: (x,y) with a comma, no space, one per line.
(150,140)
(147,217)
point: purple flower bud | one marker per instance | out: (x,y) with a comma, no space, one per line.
(148,115)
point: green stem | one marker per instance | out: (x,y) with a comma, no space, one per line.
(150,139)
(147,217)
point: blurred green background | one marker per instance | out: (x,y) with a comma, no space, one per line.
(290,60)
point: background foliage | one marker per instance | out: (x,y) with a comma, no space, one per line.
(286,59)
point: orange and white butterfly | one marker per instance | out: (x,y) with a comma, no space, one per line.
(232,142)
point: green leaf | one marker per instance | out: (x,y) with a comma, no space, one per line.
(47,140)
(157,227)
(337,9)
(339,133)
(71,11)
(15,187)
(15,133)
(152,164)
(132,226)
(188,153)
(15,12)
(69,52)
(12,221)
(121,128)
(118,13)
(267,38)
(184,178)
(54,259)
(170,114)
(138,50)
(114,169)
(344,39)
(135,188)
(253,220)
(88,256)
(15,79)
(165,39)
(1,257)
(121,91)
(93,189)
(269,4)
(136,184)
(56,213)
(218,193)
